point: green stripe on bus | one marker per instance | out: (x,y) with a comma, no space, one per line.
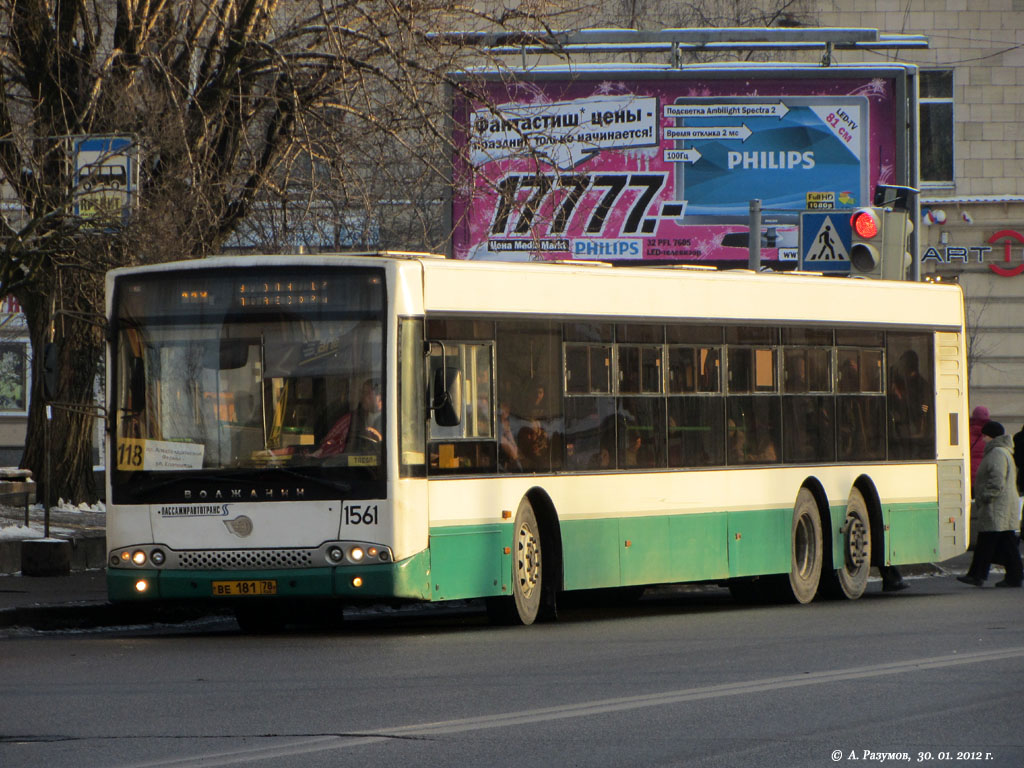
(913,532)
(470,561)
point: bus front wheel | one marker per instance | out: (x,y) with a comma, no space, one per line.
(806,548)
(523,605)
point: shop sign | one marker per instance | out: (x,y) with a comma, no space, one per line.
(1008,238)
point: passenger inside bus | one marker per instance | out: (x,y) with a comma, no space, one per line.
(508,446)
(534,445)
(909,402)
(369,425)
(751,438)
(340,430)
(333,421)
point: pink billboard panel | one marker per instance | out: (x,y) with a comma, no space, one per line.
(636,165)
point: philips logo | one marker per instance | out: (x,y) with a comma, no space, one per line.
(617,249)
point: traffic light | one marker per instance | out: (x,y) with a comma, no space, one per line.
(902,229)
(879,245)
(866,243)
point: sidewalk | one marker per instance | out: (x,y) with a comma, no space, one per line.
(79,599)
(84,528)
(53,602)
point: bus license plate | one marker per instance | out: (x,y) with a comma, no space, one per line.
(243,588)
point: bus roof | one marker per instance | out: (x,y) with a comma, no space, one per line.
(734,296)
(600,291)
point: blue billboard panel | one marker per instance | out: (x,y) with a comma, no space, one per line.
(777,153)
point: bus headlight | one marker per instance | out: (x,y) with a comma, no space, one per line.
(336,554)
(139,557)
(356,554)
(157,557)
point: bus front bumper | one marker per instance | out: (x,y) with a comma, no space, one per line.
(407,579)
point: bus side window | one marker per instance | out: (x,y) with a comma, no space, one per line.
(530,377)
(911,396)
(469,445)
(860,404)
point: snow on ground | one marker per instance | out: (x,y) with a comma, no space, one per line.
(19,533)
(62,515)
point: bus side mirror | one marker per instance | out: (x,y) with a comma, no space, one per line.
(51,371)
(446,400)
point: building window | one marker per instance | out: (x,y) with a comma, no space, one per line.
(936,127)
(14,377)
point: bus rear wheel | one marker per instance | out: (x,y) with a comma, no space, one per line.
(523,605)
(806,548)
(851,577)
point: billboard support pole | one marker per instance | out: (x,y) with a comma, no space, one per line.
(754,239)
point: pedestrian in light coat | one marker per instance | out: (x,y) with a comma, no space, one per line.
(998,514)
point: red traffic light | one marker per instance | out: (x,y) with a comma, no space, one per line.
(865,223)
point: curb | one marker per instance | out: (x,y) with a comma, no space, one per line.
(88,615)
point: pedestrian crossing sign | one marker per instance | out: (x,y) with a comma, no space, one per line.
(825,242)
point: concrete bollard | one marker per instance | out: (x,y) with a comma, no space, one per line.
(45,557)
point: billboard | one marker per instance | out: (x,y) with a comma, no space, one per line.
(662,164)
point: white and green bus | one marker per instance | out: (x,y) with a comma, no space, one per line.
(307,431)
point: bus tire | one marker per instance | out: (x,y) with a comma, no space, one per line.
(851,577)
(805,548)
(523,606)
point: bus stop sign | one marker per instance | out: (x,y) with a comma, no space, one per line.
(825,241)
(105,176)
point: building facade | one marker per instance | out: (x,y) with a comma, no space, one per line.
(972,168)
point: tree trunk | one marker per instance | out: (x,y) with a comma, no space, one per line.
(59,447)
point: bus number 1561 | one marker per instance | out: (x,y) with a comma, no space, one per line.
(360,514)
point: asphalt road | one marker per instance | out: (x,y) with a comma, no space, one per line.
(931,676)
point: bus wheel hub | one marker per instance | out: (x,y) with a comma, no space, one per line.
(856,535)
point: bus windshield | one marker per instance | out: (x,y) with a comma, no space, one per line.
(254,377)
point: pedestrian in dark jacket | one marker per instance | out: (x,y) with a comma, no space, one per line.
(1018,458)
(998,512)
(979,418)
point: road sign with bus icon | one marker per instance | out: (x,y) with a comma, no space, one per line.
(105,176)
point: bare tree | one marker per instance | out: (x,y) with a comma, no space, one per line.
(234,106)
(659,14)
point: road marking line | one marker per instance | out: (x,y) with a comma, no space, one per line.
(322,742)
